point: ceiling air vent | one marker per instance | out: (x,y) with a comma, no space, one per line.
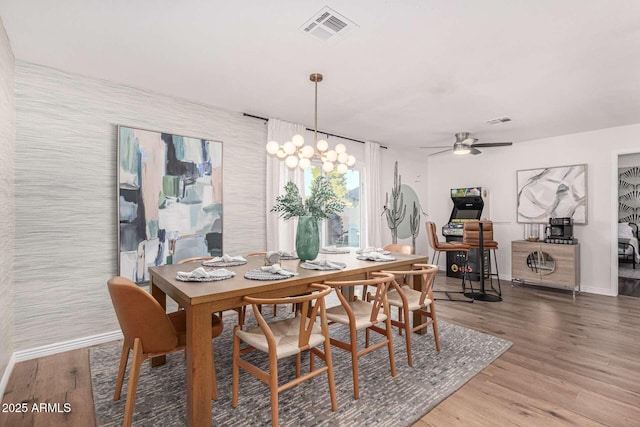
(498,121)
(328,25)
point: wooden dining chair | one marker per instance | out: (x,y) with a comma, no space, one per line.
(149,331)
(359,314)
(409,300)
(239,310)
(284,338)
(400,249)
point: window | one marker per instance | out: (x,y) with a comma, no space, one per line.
(340,230)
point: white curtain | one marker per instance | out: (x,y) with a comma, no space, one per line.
(280,234)
(372,192)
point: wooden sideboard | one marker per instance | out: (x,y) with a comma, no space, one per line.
(547,264)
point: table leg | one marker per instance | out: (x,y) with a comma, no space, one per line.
(161,297)
(199,365)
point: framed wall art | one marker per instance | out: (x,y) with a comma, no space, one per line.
(553,192)
(169,199)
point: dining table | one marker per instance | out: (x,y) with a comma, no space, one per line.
(201,299)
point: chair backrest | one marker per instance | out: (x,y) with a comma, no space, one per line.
(311,305)
(428,273)
(381,281)
(433,235)
(141,316)
(399,249)
(471,232)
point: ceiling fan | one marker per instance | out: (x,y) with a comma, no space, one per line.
(466,145)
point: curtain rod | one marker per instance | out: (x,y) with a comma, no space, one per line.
(311,130)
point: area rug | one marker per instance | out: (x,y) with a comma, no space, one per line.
(384,400)
(627,271)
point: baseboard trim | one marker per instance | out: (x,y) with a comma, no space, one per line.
(7,374)
(61,347)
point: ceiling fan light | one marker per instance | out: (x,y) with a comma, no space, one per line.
(460,148)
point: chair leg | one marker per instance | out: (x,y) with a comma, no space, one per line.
(329,362)
(400,314)
(436,334)
(407,330)
(354,363)
(298,361)
(366,338)
(134,373)
(392,361)
(273,388)
(235,368)
(121,370)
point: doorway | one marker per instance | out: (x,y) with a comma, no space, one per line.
(628,189)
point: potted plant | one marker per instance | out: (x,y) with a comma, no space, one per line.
(321,203)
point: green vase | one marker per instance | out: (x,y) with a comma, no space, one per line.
(307,238)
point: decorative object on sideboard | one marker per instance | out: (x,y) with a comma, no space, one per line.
(295,154)
(552,192)
(321,203)
(160,177)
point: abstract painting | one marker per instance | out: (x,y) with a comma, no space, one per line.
(554,192)
(169,199)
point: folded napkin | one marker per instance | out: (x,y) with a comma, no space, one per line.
(200,273)
(226,258)
(372,249)
(276,269)
(376,256)
(285,254)
(334,250)
(323,265)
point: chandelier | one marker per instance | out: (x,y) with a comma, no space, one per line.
(295,154)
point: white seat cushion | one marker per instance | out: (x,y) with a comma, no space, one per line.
(361,310)
(413,298)
(286,334)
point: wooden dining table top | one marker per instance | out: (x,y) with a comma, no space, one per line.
(228,293)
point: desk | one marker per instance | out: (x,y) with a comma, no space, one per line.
(200,299)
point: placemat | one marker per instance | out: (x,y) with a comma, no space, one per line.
(323,265)
(368,257)
(335,251)
(258,274)
(211,263)
(203,275)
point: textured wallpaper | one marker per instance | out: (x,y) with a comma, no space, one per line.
(7,201)
(66,223)
(629,194)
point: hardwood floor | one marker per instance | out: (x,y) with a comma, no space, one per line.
(572,363)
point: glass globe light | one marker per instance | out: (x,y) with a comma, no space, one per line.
(327,167)
(289,148)
(307,151)
(343,157)
(332,156)
(273,147)
(342,168)
(297,140)
(351,161)
(291,162)
(322,145)
(340,148)
(304,163)
(281,154)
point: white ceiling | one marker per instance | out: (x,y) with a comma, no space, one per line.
(413,73)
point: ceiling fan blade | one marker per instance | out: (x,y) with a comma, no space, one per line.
(493,144)
(474,151)
(448,150)
(438,146)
